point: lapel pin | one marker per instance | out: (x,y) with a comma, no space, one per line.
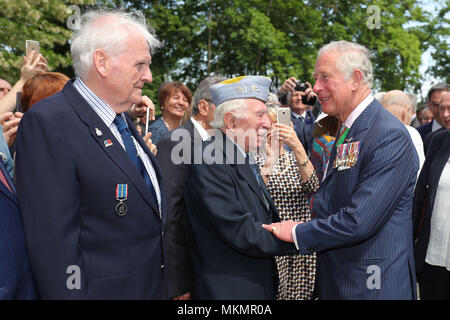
(98,132)
(108,143)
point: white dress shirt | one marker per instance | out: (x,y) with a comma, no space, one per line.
(438,253)
(107,114)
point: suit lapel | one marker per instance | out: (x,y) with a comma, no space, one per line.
(361,124)
(112,147)
(237,159)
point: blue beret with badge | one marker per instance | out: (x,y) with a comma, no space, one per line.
(244,87)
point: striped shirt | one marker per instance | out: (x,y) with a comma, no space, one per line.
(107,114)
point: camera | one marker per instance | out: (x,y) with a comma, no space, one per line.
(299,86)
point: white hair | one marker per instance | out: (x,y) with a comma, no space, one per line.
(235,106)
(351,56)
(107,30)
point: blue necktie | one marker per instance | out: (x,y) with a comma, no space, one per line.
(132,153)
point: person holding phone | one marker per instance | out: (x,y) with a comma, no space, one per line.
(290,179)
(33,63)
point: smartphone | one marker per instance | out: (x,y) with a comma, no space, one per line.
(146,120)
(284,116)
(32,45)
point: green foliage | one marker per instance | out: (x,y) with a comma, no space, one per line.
(277,38)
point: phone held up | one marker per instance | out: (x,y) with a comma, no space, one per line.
(284,116)
(31,45)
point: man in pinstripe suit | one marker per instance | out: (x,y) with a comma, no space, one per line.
(363,227)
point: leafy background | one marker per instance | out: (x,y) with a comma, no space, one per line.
(276,38)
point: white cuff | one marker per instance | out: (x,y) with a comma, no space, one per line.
(294,236)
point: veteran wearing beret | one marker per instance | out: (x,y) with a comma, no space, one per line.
(233,257)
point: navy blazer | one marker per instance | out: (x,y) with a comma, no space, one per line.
(232,255)
(16,280)
(363,225)
(68,167)
(304,131)
(425,130)
(425,193)
(179,271)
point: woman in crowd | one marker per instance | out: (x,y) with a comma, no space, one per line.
(174,98)
(290,179)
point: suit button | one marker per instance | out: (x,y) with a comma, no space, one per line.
(163,266)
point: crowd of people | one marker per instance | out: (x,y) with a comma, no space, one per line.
(217,198)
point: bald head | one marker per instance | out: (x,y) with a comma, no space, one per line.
(398,103)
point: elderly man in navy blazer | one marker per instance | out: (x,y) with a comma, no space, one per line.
(363,226)
(227,202)
(89,188)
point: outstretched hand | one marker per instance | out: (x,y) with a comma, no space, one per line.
(282,230)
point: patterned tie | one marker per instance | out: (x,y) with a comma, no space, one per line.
(132,153)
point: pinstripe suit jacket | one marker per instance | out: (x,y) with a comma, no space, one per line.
(363,227)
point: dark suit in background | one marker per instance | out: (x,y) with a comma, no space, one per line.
(424,197)
(304,129)
(179,271)
(425,130)
(16,280)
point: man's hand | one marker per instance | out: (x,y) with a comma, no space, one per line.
(10,123)
(288,85)
(282,230)
(140,110)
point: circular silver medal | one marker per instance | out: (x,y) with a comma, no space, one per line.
(121,209)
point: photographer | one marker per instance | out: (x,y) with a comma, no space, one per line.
(299,97)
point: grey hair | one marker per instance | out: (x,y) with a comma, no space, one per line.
(438,87)
(235,106)
(107,30)
(202,92)
(351,56)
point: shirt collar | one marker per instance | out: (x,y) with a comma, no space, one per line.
(358,110)
(105,112)
(203,133)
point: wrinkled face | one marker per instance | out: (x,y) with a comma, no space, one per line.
(176,104)
(444,110)
(433,104)
(333,91)
(129,71)
(251,130)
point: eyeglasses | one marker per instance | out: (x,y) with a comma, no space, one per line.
(434,104)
